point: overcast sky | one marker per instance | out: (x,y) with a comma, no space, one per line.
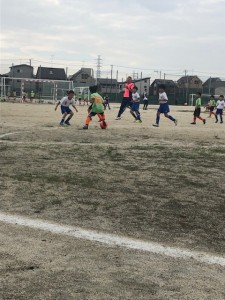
(143,35)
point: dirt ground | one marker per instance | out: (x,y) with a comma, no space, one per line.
(161,184)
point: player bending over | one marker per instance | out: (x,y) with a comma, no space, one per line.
(220,105)
(135,105)
(96,108)
(197,112)
(163,106)
(65,103)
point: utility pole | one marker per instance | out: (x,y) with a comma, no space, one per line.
(164,78)
(186,79)
(210,83)
(117,88)
(111,79)
(99,65)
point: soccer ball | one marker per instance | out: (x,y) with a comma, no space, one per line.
(102,125)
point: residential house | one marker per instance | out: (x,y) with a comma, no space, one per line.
(190,82)
(55,85)
(171,86)
(16,73)
(108,85)
(143,85)
(220,88)
(209,86)
(83,78)
(51,73)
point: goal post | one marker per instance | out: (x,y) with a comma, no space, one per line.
(43,89)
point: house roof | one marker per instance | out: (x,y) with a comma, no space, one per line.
(168,82)
(81,71)
(22,65)
(188,78)
(211,81)
(51,73)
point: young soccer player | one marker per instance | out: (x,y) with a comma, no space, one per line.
(163,106)
(96,108)
(220,105)
(106,102)
(211,105)
(145,100)
(127,97)
(134,109)
(65,103)
(197,112)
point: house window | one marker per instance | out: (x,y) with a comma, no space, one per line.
(145,87)
(19,71)
(145,80)
(84,76)
(196,82)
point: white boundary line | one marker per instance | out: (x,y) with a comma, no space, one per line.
(112,240)
(11,133)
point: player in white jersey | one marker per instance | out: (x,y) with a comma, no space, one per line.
(220,105)
(163,106)
(65,103)
(135,105)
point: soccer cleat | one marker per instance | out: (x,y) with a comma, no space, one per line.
(85,127)
(155,125)
(221,122)
(176,122)
(138,121)
(204,121)
(193,123)
(61,123)
(118,118)
(216,121)
(68,123)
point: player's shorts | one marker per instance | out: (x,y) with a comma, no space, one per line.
(135,106)
(92,114)
(219,111)
(127,102)
(65,109)
(211,108)
(197,112)
(164,108)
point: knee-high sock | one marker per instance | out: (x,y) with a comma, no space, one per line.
(157,119)
(88,120)
(133,114)
(171,118)
(101,117)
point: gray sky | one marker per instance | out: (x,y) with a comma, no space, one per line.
(143,35)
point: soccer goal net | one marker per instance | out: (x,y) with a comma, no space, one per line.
(39,90)
(82,93)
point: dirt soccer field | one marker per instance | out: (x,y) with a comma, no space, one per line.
(131,212)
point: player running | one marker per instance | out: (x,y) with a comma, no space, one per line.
(65,103)
(220,105)
(163,106)
(127,97)
(135,105)
(197,112)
